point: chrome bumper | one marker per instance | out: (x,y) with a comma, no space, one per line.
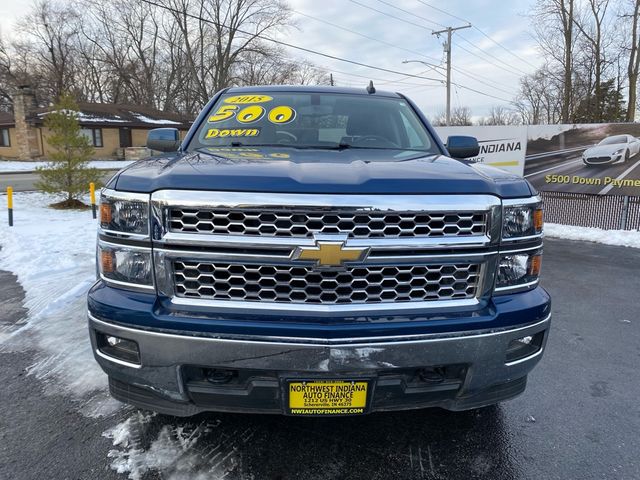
(163,355)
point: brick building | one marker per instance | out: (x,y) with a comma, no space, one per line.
(111,128)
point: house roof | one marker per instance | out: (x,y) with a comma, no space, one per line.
(122,115)
(111,115)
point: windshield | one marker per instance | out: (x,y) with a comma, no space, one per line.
(313,120)
(614,140)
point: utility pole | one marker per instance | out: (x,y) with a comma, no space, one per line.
(447,49)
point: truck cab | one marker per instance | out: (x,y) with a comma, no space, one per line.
(316,251)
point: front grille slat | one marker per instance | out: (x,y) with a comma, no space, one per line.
(305,223)
(307,285)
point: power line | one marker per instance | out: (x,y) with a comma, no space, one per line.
(326,22)
(443,26)
(413,14)
(479,30)
(315,52)
(478,78)
(381,80)
(420,73)
(506,68)
(392,16)
(290,45)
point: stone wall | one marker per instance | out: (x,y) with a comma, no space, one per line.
(26,137)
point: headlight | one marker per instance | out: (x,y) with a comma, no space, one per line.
(518,269)
(619,152)
(522,220)
(124,212)
(129,266)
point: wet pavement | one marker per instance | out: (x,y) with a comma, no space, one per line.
(578,419)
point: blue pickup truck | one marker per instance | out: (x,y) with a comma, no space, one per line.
(316,251)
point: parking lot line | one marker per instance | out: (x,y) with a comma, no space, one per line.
(606,189)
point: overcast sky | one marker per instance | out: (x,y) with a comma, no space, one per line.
(486,66)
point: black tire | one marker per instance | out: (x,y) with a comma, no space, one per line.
(627,156)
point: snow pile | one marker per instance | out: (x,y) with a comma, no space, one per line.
(184,450)
(9,166)
(145,119)
(624,238)
(52,253)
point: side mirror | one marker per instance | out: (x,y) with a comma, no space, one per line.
(164,139)
(463,147)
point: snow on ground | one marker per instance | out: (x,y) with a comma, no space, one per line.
(181,450)
(52,253)
(7,166)
(624,238)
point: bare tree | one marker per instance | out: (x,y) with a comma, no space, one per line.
(51,29)
(553,22)
(218,33)
(500,115)
(171,56)
(461,116)
(634,60)
(307,73)
(541,97)
(593,29)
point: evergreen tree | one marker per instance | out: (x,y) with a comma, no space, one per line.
(610,107)
(67,172)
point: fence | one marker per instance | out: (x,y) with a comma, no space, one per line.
(584,210)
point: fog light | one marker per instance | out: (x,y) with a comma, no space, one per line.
(120,348)
(220,377)
(524,347)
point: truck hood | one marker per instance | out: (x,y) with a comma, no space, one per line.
(290,170)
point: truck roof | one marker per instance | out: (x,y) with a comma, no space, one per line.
(311,89)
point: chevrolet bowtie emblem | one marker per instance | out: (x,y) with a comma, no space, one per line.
(328,253)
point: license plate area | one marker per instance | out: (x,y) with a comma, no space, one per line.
(327,397)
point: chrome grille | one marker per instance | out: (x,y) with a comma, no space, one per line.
(300,284)
(306,223)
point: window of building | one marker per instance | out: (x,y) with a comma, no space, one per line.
(94,135)
(5,141)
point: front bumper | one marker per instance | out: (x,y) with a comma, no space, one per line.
(171,376)
(602,160)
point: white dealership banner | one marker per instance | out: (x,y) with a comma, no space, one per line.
(500,146)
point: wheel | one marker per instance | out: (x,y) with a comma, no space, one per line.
(627,156)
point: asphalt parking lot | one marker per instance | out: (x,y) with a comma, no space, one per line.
(578,419)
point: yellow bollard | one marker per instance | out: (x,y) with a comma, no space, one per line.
(92,193)
(10,204)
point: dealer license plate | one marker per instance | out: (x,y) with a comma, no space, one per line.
(328,397)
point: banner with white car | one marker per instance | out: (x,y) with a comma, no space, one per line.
(599,159)
(596,158)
